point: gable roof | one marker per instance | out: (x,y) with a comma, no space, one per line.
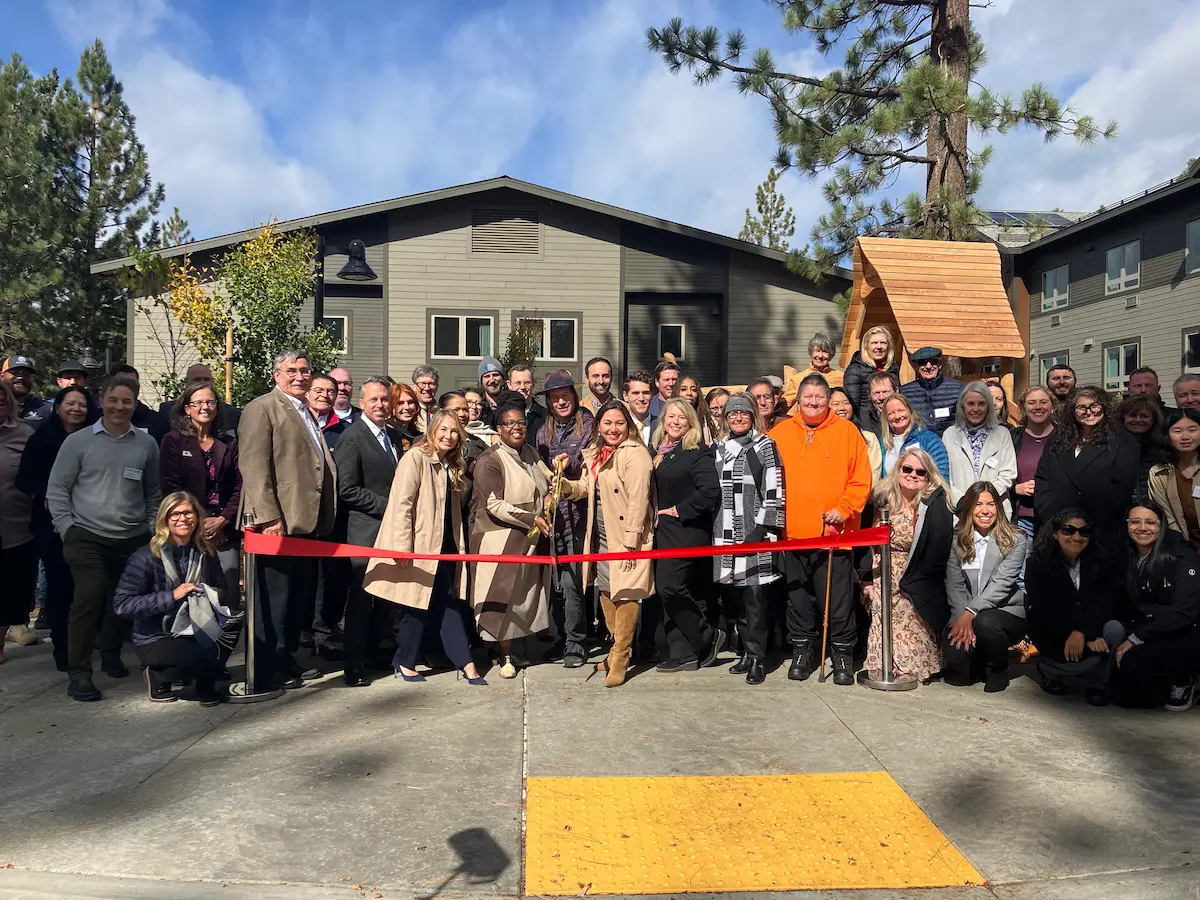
(466,190)
(933,289)
(1187,181)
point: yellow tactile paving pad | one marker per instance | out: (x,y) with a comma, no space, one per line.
(741,833)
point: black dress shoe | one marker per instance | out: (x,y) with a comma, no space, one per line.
(356,678)
(1096,696)
(679,665)
(742,666)
(718,644)
(291,682)
(111,665)
(803,662)
(1053,686)
(757,672)
(996,682)
(83,689)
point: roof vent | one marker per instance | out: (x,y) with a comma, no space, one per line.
(505,231)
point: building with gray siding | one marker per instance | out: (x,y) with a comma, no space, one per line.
(458,268)
(1116,290)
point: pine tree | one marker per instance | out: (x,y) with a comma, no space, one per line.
(106,210)
(29,226)
(901,98)
(775,222)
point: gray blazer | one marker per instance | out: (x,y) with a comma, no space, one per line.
(997,587)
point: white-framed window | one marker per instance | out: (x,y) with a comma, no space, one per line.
(1191,350)
(1119,361)
(1054,359)
(672,338)
(461,337)
(338,328)
(1056,284)
(1191,250)
(559,341)
(1123,267)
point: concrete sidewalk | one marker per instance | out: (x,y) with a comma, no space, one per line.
(416,790)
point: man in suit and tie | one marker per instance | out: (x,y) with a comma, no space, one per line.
(366,462)
(289,487)
(227,416)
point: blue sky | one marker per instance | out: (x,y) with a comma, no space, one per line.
(289,107)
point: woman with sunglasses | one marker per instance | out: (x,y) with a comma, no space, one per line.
(751,511)
(922,528)
(508,515)
(198,457)
(1156,645)
(987,605)
(1070,594)
(1090,464)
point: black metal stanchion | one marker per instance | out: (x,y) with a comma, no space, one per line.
(246,692)
(885,678)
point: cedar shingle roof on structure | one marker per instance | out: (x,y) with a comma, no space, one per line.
(945,294)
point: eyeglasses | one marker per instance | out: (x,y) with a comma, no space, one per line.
(1093,409)
(290,372)
(182,514)
(913,470)
(926,363)
(513,423)
(427,385)
(323,392)
(204,404)
(1084,531)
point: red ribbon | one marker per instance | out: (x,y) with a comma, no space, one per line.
(270,545)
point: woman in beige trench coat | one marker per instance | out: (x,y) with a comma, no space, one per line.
(424,516)
(616,471)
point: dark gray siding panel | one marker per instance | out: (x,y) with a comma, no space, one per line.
(703,334)
(657,262)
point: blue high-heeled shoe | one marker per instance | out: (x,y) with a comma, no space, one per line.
(417,677)
(480,680)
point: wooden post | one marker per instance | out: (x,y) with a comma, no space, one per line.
(229,364)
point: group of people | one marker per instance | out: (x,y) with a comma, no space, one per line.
(1070,524)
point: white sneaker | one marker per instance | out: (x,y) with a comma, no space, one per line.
(1182,697)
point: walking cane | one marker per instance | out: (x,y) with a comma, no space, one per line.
(821,676)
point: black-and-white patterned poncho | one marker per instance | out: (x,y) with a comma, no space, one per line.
(751,501)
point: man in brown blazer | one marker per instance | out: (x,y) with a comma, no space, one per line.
(289,487)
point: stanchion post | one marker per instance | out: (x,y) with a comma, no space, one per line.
(249,693)
(885,678)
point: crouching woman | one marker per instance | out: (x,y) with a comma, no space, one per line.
(620,518)
(158,580)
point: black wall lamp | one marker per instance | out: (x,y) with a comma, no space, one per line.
(355,269)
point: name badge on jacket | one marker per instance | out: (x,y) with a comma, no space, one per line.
(187,453)
(132,474)
(1196,491)
(941,412)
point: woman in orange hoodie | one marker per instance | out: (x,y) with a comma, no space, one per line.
(827,479)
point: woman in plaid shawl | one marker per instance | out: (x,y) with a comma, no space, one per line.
(751,512)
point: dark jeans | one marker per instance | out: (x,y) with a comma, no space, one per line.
(682,585)
(569,605)
(286,585)
(995,631)
(750,605)
(446,613)
(805,572)
(364,619)
(19,565)
(60,587)
(96,566)
(179,659)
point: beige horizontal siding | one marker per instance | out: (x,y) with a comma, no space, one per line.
(431,265)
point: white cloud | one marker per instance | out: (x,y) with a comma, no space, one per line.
(1138,82)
